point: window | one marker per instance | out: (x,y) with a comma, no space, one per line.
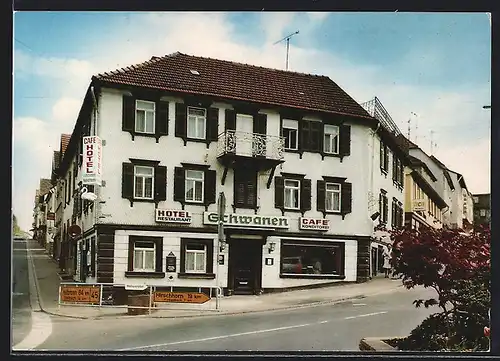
(292,194)
(143,182)
(331,139)
(196,258)
(245,188)
(476,200)
(291,133)
(384,157)
(332,197)
(144,256)
(196,123)
(144,117)
(312,259)
(383,207)
(482,212)
(194,186)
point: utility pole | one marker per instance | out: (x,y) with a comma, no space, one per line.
(287,38)
(221,208)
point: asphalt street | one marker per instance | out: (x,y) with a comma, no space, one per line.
(321,328)
(21,308)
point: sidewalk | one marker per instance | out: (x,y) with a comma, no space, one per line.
(48,290)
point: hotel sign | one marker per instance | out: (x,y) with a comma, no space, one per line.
(243,220)
(172,216)
(92,160)
(317,224)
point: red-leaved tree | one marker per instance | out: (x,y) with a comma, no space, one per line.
(454,263)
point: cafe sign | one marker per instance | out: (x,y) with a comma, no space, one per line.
(172,216)
(317,224)
(244,220)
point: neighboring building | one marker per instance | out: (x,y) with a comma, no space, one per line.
(388,158)
(39,212)
(293,154)
(423,204)
(482,209)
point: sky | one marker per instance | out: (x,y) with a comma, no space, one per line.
(431,68)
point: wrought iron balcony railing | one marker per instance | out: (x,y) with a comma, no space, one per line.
(250,145)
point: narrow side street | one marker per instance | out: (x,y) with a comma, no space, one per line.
(21,308)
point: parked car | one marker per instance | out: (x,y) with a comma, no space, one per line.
(292,265)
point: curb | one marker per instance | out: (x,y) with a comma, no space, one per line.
(228,313)
(376,344)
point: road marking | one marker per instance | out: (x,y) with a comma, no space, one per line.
(216,337)
(243,333)
(365,315)
(40,330)
(359,304)
(18,293)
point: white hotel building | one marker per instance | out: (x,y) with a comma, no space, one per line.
(296,157)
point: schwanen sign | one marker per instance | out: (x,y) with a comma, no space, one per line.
(243,220)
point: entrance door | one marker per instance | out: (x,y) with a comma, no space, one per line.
(245,257)
(244,134)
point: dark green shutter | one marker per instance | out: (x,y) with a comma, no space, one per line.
(128,116)
(382,155)
(213,124)
(179,184)
(160,183)
(346,201)
(128,181)
(161,121)
(130,263)
(210,187)
(92,254)
(320,196)
(394,167)
(279,192)
(345,140)
(180,120)
(159,253)
(305,195)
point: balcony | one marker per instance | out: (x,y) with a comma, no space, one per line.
(249,150)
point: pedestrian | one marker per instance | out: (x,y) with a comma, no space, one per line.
(387,261)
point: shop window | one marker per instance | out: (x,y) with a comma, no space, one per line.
(312,259)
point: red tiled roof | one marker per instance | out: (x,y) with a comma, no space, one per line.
(64,142)
(227,79)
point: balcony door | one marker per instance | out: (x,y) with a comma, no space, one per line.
(244,134)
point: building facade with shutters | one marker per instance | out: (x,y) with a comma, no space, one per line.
(291,152)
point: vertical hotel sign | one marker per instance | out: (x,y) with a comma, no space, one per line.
(92,160)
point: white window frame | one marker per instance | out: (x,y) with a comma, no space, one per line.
(194,180)
(330,193)
(144,176)
(292,188)
(332,134)
(195,252)
(139,109)
(145,250)
(291,124)
(196,118)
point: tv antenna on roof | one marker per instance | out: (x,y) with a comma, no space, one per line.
(287,38)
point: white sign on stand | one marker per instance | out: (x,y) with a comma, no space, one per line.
(92,160)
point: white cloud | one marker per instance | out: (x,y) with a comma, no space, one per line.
(317,15)
(448,113)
